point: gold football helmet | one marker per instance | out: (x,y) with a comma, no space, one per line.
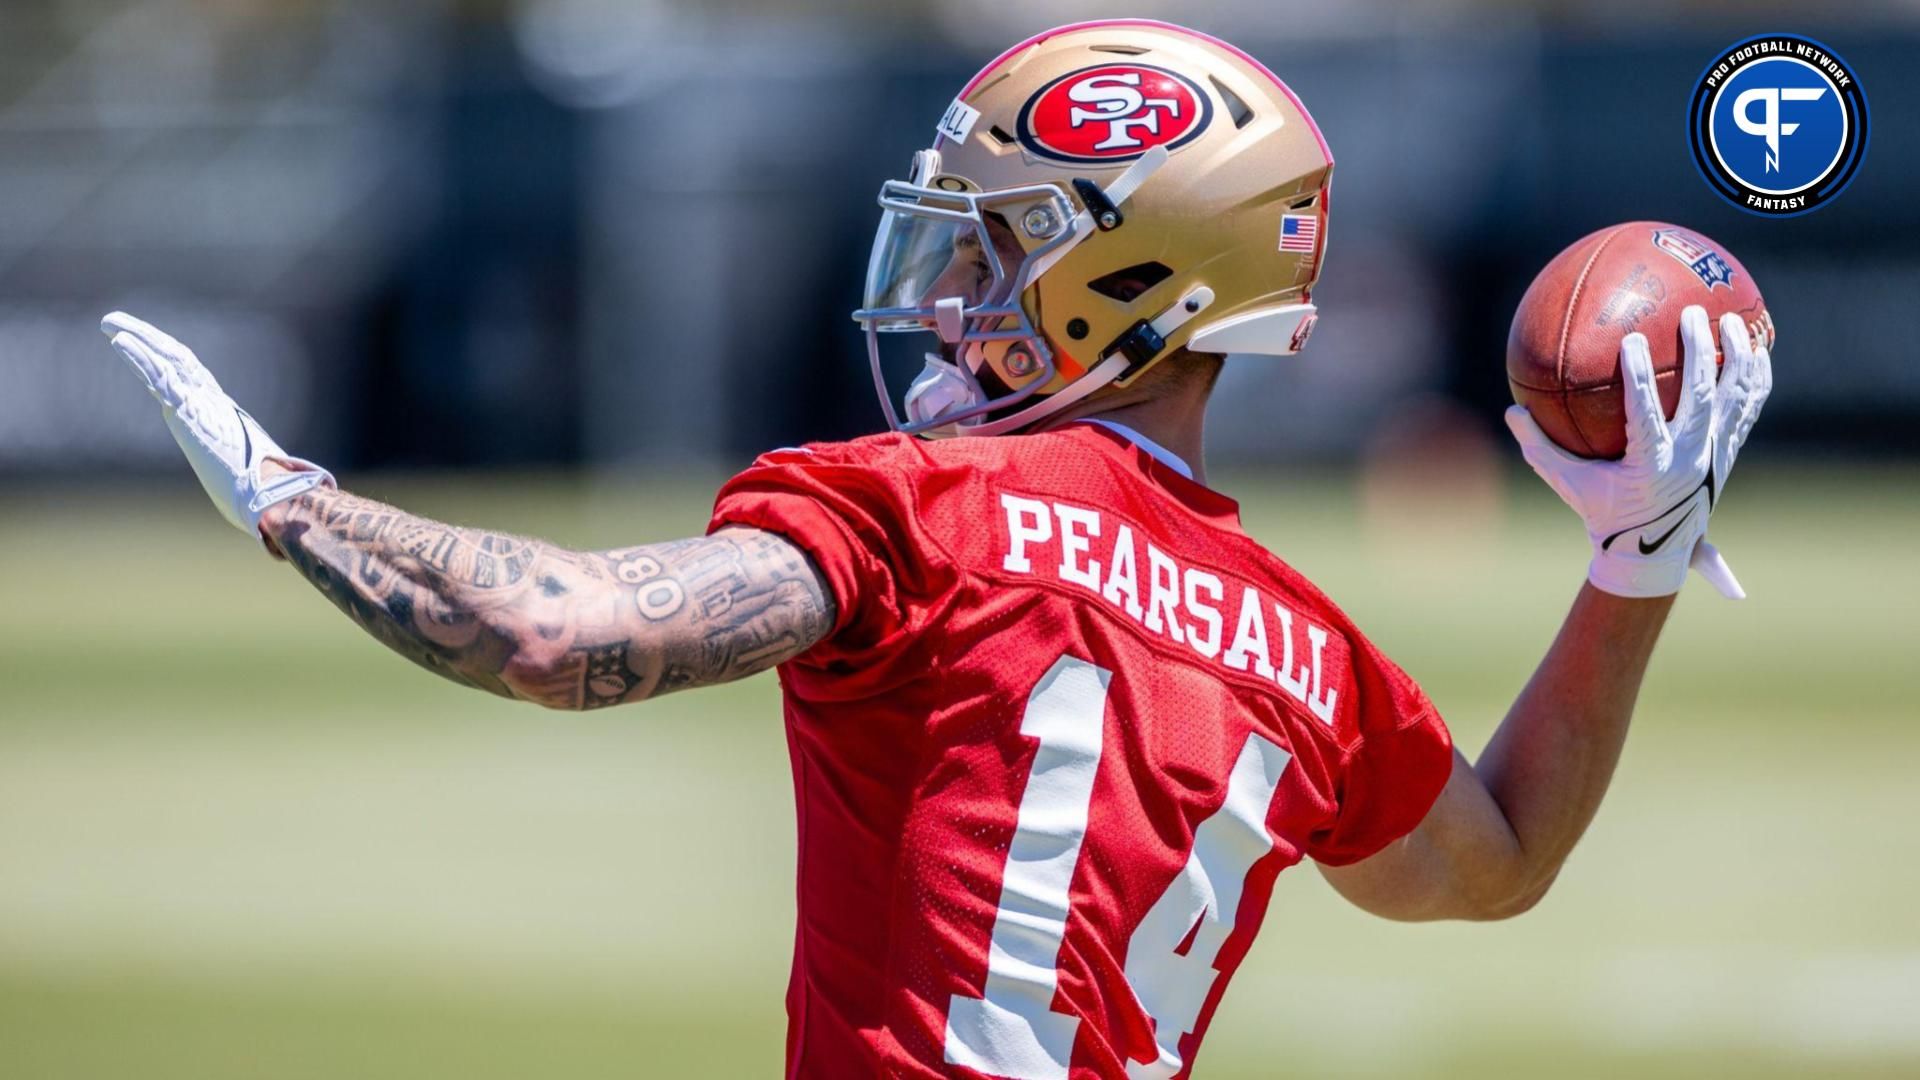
(1095,199)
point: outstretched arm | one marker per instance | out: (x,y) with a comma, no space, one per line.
(512,616)
(1503,826)
(566,629)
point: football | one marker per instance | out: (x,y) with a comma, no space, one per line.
(1563,351)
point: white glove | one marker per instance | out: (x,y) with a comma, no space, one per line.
(222,443)
(1647,513)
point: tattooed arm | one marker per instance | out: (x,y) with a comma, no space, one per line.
(515,617)
(567,629)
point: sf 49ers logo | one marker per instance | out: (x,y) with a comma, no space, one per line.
(1114,112)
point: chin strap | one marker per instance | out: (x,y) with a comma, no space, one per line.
(1114,366)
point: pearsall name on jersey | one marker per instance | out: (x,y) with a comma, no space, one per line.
(1183,604)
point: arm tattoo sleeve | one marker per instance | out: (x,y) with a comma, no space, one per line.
(567,629)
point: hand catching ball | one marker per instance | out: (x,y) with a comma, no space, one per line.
(1563,352)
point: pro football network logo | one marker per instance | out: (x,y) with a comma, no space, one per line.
(1778,125)
(1113,112)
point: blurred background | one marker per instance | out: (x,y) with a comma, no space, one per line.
(559,266)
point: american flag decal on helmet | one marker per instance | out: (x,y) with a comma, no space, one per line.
(1298,232)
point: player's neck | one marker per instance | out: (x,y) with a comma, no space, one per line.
(1177,422)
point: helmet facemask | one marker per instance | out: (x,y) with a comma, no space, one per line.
(957,263)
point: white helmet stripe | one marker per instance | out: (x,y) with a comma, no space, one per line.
(1128,182)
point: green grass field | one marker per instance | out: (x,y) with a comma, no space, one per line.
(239,840)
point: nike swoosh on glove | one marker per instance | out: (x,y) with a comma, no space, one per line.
(1647,513)
(224,445)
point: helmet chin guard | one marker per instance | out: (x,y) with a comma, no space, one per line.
(941,390)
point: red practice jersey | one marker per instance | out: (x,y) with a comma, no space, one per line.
(1069,724)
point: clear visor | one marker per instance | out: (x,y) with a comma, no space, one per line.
(919,260)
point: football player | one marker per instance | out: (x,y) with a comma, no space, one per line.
(1056,721)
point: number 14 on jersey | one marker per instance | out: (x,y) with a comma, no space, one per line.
(1011,1030)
